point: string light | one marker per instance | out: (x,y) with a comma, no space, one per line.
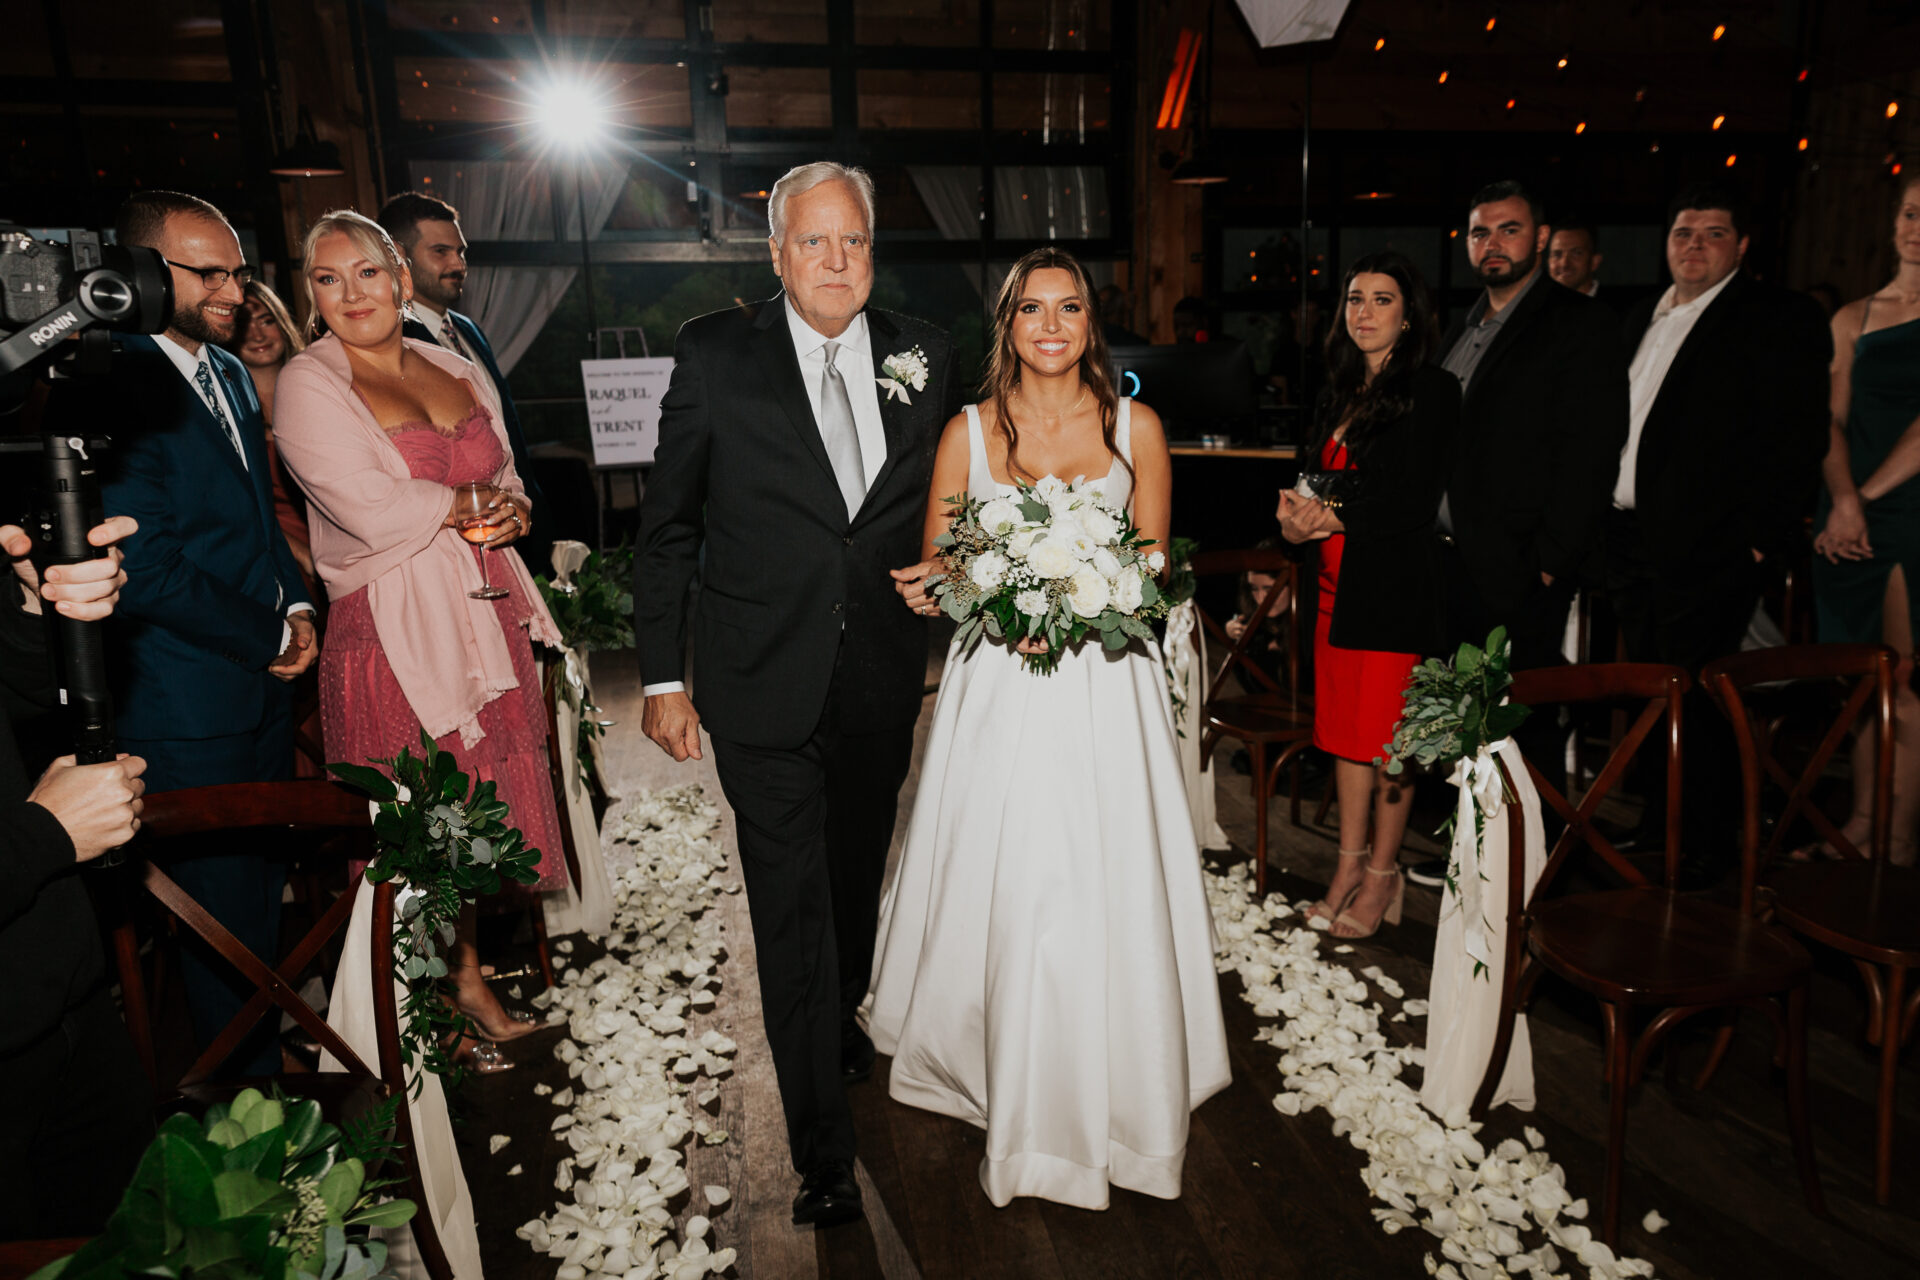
(1730,160)
(1803,144)
(1379,44)
(1719,31)
(1563,64)
(1443,77)
(1581,127)
(1510,103)
(1893,109)
(1718,121)
(1802,77)
(1490,22)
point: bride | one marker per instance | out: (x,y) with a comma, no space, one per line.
(1045,960)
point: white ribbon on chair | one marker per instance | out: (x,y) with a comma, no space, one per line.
(449,1205)
(1463,1015)
(1186,658)
(588,906)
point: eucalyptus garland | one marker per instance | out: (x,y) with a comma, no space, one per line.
(1452,710)
(445,840)
(592,611)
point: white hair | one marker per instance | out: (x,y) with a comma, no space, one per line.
(804,178)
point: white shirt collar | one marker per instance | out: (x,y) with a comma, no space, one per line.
(187,362)
(1669,307)
(430,315)
(807,339)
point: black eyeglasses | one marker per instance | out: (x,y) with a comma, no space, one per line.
(215,278)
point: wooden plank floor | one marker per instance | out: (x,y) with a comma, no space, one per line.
(1265,1195)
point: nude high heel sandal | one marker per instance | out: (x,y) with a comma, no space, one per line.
(1390,916)
(1322,914)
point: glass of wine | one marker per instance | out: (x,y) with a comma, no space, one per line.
(478,507)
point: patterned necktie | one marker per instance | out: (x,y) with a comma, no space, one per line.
(450,337)
(837,432)
(203,375)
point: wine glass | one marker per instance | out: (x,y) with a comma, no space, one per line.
(478,508)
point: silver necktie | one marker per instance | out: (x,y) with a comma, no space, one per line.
(838,433)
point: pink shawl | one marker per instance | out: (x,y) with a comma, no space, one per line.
(376,526)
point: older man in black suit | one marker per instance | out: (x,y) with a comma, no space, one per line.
(803,488)
(1729,425)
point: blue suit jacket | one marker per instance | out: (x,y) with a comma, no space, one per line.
(209,575)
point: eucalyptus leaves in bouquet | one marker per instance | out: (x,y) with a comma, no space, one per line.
(447,844)
(257,1189)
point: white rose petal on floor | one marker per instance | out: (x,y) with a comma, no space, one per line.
(1430,1173)
(636,1063)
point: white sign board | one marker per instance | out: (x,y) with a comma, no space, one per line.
(623,408)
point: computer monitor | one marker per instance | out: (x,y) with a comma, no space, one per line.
(1198,388)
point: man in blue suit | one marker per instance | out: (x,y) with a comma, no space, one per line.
(214,621)
(427,230)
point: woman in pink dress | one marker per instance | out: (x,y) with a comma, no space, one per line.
(379,431)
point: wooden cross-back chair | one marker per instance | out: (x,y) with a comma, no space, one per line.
(1260,712)
(1863,906)
(321,812)
(1642,945)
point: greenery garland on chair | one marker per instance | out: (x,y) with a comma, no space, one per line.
(449,845)
(1453,710)
(593,612)
(257,1189)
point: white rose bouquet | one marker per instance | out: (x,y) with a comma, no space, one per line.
(1053,562)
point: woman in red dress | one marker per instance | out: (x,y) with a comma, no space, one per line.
(1381,442)
(380,431)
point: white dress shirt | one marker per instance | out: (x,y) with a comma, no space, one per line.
(435,320)
(1665,335)
(854,360)
(188,363)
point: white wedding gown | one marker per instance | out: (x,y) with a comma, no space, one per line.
(1045,959)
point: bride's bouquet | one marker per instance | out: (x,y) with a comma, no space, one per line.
(1053,562)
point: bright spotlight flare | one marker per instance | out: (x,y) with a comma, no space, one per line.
(571,116)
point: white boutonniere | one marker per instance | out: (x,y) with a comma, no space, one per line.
(901,370)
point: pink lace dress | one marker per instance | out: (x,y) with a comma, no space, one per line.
(365,715)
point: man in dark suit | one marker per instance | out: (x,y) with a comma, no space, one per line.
(1729,426)
(796,486)
(213,623)
(1541,424)
(427,230)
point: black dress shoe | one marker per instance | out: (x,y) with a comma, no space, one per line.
(856,1054)
(828,1195)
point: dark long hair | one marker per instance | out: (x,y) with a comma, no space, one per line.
(1349,395)
(1003,367)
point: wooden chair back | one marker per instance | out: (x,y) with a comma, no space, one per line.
(1232,655)
(1863,674)
(1659,690)
(320,811)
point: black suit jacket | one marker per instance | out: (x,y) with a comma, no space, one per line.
(1541,429)
(1390,574)
(741,486)
(209,575)
(1730,454)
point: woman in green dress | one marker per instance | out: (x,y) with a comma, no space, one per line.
(1869,544)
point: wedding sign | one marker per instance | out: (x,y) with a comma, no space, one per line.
(623,407)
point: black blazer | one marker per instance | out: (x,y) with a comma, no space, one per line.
(1541,429)
(1730,455)
(209,575)
(1390,573)
(790,587)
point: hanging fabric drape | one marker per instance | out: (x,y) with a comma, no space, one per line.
(514,200)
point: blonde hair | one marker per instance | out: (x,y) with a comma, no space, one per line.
(282,319)
(804,178)
(366,236)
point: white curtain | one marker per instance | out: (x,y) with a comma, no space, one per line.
(513,200)
(1031,202)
